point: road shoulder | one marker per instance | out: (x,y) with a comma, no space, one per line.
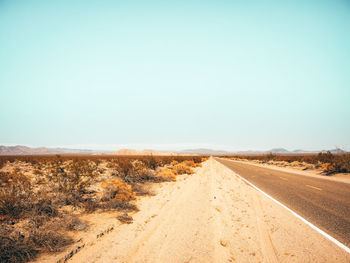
(343,178)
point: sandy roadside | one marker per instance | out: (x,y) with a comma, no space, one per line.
(341,177)
(211,216)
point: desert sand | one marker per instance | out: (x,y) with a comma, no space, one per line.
(211,216)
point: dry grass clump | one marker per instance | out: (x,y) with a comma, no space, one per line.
(142,189)
(177,168)
(295,163)
(192,163)
(125,219)
(174,163)
(182,168)
(70,176)
(26,227)
(167,175)
(48,240)
(14,246)
(73,223)
(117,189)
(328,168)
(15,194)
(133,171)
(117,195)
(24,244)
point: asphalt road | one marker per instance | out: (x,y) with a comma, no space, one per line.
(324,203)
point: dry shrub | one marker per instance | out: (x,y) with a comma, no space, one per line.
(74,223)
(14,246)
(117,189)
(49,240)
(308,166)
(151,162)
(182,168)
(15,194)
(24,245)
(140,172)
(45,207)
(133,171)
(37,205)
(91,206)
(189,163)
(174,163)
(71,176)
(141,189)
(117,195)
(295,163)
(192,163)
(112,164)
(123,168)
(2,162)
(167,175)
(328,168)
(118,205)
(125,219)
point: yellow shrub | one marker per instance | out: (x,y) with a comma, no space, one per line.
(204,159)
(182,168)
(174,163)
(118,189)
(327,167)
(167,174)
(192,163)
(189,163)
(295,163)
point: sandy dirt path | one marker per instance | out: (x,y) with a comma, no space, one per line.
(211,216)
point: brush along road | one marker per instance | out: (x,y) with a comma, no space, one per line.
(212,216)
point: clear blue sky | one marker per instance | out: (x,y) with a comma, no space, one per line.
(175,74)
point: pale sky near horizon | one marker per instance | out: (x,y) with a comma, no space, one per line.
(232,75)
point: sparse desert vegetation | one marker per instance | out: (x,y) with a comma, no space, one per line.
(43,197)
(327,162)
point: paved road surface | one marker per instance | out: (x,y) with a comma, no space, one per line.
(324,203)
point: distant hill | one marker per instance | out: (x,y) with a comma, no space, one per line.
(278,150)
(252,152)
(141,152)
(25,150)
(203,151)
(68,150)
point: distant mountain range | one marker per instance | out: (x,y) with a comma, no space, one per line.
(24,150)
(252,152)
(141,152)
(203,151)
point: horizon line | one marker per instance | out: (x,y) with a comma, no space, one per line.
(161,147)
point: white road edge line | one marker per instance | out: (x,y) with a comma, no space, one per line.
(339,244)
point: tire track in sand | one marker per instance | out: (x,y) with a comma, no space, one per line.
(186,220)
